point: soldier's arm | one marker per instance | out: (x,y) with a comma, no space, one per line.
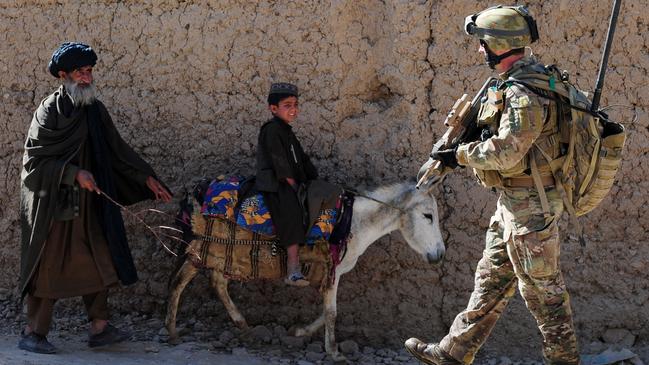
(520,125)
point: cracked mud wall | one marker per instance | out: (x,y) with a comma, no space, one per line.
(186,82)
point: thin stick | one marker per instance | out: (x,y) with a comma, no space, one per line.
(155,234)
(173,237)
(171,229)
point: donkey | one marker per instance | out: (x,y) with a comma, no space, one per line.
(390,208)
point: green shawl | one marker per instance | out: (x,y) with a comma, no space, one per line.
(52,141)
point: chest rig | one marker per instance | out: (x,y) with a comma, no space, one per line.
(533,169)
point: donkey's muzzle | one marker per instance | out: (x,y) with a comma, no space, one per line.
(435,258)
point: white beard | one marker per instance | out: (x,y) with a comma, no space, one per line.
(80,95)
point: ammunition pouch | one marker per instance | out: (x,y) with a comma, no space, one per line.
(489,115)
(489,178)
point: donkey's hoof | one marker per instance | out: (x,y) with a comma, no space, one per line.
(338,358)
(174,340)
(242,325)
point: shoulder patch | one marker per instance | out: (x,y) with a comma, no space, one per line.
(522,101)
(520,96)
(515,89)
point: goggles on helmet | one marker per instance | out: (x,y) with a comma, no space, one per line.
(493,59)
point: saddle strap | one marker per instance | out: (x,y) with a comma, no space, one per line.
(219,240)
(229,247)
(283,256)
(205,243)
(254,257)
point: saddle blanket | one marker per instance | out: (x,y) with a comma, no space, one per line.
(221,200)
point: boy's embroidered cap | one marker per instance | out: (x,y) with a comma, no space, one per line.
(283,88)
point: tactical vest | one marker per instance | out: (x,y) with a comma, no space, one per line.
(581,149)
(520,175)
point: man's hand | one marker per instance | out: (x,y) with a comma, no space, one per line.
(86,181)
(291,181)
(160,192)
(448,157)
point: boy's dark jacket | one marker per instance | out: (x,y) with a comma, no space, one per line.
(280,156)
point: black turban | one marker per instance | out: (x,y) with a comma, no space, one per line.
(71,56)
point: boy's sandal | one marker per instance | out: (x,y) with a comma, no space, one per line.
(296,279)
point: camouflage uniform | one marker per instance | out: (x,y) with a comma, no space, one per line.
(522,242)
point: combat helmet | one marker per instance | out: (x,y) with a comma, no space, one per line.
(502,28)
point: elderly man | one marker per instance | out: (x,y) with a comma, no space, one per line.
(73,237)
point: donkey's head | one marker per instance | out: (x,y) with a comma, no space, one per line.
(419,224)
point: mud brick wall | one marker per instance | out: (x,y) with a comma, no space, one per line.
(186,84)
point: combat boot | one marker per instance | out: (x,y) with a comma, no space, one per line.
(430,354)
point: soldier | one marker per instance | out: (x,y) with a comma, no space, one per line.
(522,242)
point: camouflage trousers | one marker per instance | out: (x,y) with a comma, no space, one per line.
(530,260)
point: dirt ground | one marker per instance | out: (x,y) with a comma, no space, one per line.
(147,347)
(139,353)
(205,341)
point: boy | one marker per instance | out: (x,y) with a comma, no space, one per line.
(282,169)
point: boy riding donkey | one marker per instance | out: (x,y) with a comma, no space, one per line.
(283,169)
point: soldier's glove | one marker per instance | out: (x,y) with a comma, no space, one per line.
(448,157)
(486,134)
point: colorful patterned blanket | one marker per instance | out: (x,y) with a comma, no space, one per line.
(221,200)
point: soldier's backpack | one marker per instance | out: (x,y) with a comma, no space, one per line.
(592,143)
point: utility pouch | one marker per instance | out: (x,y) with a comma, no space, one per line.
(489,178)
(491,108)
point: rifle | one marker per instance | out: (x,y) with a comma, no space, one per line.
(607,48)
(462,127)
